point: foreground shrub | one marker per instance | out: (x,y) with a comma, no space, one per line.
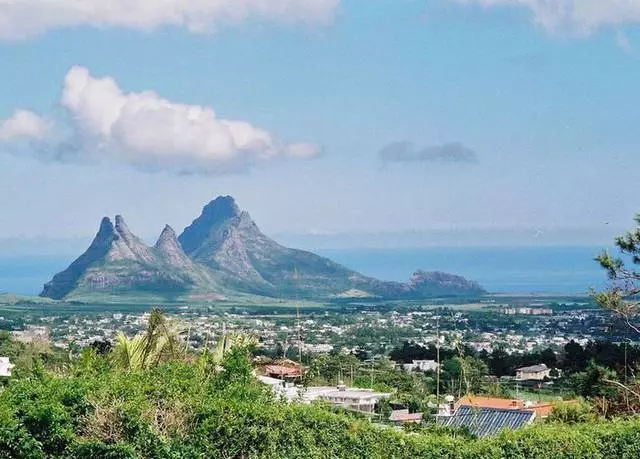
(183,410)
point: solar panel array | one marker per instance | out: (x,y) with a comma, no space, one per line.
(487,421)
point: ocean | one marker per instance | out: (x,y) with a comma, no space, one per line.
(517,269)
(498,269)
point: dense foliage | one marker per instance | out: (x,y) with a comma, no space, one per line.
(177,410)
(212,406)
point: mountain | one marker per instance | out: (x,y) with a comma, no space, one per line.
(117,261)
(228,241)
(224,252)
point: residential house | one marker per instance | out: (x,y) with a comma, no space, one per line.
(533,373)
(363,400)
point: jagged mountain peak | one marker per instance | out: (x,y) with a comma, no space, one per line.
(122,229)
(168,243)
(221,208)
(106,227)
(208,228)
(119,261)
(168,233)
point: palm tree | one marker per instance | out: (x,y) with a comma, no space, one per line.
(159,342)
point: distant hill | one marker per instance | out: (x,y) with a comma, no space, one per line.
(221,252)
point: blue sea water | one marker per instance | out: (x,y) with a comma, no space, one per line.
(27,275)
(504,269)
(498,269)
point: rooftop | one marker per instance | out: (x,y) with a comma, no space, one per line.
(534,368)
(483,422)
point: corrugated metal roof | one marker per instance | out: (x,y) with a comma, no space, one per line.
(534,368)
(487,421)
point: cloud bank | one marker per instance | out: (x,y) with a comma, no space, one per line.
(148,131)
(574,16)
(23,18)
(407,152)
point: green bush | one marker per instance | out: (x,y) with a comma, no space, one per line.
(182,410)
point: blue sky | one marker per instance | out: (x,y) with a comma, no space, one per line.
(545,102)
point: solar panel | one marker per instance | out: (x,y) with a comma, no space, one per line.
(487,421)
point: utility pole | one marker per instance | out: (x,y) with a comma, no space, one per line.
(295,276)
(438,361)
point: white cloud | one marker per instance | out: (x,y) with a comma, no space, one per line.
(146,130)
(574,16)
(24,125)
(22,18)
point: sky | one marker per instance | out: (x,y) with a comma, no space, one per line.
(333,122)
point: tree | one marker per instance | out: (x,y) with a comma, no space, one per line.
(549,358)
(575,358)
(623,295)
(159,342)
(499,362)
(464,375)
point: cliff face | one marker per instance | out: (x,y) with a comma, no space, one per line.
(224,249)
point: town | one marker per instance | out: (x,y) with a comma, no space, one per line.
(398,364)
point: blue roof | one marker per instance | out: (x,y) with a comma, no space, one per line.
(482,422)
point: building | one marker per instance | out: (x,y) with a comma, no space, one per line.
(542,410)
(421,365)
(285,370)
(5,366)
(533,373)
(483,422)
(528,311)
(490,402)
(404,417)
(363,400)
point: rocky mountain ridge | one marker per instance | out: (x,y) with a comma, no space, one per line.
(223,250)
(117,261)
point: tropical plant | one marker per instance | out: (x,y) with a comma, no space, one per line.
(158,343)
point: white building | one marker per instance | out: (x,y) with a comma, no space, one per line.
(533,373)
(5,366)
(421,365)
(350,398)
(353,399)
